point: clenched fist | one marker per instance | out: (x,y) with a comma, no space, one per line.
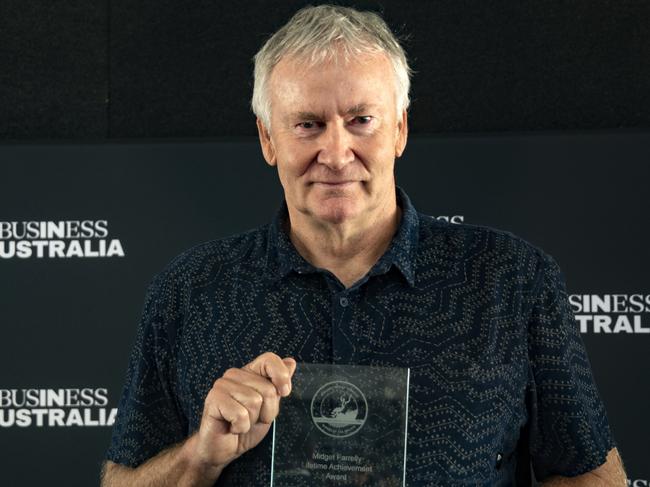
(240,408)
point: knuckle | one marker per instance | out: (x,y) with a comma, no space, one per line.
(219,385)
(257,400)
(231,372)
(212,393)
(241,415)
(269,392)
(268,359)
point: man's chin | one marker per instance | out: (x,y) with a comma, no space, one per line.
(336,212)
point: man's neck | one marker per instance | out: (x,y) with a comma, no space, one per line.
(348,249)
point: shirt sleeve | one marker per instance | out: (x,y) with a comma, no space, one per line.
(569,431)
(149,418)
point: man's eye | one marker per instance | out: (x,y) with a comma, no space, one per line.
(307,125)
(362,119)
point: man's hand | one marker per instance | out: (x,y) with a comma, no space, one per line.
(240,408)
(237,414)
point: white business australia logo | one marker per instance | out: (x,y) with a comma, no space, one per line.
(612,313)
(57,239)
(55,408)
(638,483)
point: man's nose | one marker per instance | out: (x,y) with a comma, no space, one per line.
(336,150)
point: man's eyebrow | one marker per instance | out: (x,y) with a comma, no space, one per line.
(358,109)
(305,116)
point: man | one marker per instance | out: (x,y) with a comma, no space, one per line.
(347,273)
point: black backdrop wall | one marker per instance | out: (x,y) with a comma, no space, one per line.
(69,322)
(110,69)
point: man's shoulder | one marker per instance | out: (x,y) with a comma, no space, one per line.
(464,241)
(200,263)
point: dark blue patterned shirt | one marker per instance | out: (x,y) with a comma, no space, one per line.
(499,376)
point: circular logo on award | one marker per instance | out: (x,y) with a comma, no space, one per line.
(339,409)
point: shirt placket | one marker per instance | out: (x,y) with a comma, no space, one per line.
(341,303)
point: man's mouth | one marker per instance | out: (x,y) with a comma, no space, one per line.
(334,183)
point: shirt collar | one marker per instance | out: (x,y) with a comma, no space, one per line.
(283,258)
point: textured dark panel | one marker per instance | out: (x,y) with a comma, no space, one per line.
(481,66)
(498,65)
(53,75)
(179,71)
(186,72)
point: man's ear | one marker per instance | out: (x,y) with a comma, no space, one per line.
(267,144)
(402,134)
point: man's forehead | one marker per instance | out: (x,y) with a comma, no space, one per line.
(356,86)
(306,61)
(290,69)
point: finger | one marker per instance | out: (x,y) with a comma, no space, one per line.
(271,366)
(264,387)
(291,365)
(220,406)
(237,416)
(245,395)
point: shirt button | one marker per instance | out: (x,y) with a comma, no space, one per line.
(344,301)
(499,460)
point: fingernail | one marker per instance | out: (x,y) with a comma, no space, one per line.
(286,390)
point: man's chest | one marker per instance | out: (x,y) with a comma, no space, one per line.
(466,351)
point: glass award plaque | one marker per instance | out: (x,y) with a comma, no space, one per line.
(342,425)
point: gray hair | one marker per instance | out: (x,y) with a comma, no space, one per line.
(316,34)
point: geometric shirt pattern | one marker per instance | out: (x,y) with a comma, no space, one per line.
(500,385)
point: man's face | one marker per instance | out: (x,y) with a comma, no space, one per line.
(334,136)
